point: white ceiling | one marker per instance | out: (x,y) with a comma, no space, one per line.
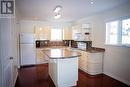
(72,9)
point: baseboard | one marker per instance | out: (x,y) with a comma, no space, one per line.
(15,79)
(24,66)
(33,65)
(117,78)
(18,66)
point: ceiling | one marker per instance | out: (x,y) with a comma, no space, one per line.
(71,9)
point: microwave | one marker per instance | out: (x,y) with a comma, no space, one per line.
(82,45)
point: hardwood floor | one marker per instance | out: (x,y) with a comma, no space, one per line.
(37,76)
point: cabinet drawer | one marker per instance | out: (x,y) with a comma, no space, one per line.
(95,58)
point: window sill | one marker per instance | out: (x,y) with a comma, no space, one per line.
(118,45)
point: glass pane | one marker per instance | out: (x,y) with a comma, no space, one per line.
(56,34)
(126,31)
(112,30)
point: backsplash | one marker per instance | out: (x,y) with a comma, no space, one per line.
(71,43)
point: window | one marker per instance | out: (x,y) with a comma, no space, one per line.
(112,29)
(56,34)
(118,32)
(126,31)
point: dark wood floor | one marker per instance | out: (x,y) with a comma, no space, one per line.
(37,76)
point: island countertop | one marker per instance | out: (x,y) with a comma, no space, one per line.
(61,53)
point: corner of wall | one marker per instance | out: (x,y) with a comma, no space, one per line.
(117,78)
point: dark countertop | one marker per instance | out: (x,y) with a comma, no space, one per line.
(95,50)
(61,53)
(91,49)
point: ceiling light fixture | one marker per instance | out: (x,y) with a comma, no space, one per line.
(57,12)
(40,28)
(57,16)
(91,2)
(57,9)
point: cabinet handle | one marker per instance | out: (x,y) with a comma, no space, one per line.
(11,58)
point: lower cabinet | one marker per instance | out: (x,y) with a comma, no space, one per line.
(64,72)
(83,61)
(41,57)
(95,63)
(91,63)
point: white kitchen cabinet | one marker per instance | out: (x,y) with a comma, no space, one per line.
(95,63)
(40,56)
(83,61)
(77,28)
(43,33)
(81,29)
(67,33)
(91,63)
(64,72)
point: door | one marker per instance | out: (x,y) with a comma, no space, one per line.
(14,49)
(5,51)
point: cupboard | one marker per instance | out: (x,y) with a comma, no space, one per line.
(91,63)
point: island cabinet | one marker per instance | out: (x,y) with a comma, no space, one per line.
(64,72)
(63,66)
(91,62)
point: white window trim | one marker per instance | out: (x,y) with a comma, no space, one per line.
(61,34)
(119,43)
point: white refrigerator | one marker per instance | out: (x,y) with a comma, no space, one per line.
(27,49)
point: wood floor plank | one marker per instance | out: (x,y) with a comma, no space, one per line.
(37,76)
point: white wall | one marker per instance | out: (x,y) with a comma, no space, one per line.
(116,59)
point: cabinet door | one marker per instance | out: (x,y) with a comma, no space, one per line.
(95,57)
(76,29)
(80,60)
(95,63)
(83,61)
(41,57)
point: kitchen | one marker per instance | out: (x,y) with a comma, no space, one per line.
(90,36)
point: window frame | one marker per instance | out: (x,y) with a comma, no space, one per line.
(61,34)
(119,34)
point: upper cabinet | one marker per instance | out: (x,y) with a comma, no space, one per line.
(81,32)
(42,30)
(86,28)
(43,33)
(67,33)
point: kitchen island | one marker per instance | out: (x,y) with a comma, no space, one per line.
(63,66)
